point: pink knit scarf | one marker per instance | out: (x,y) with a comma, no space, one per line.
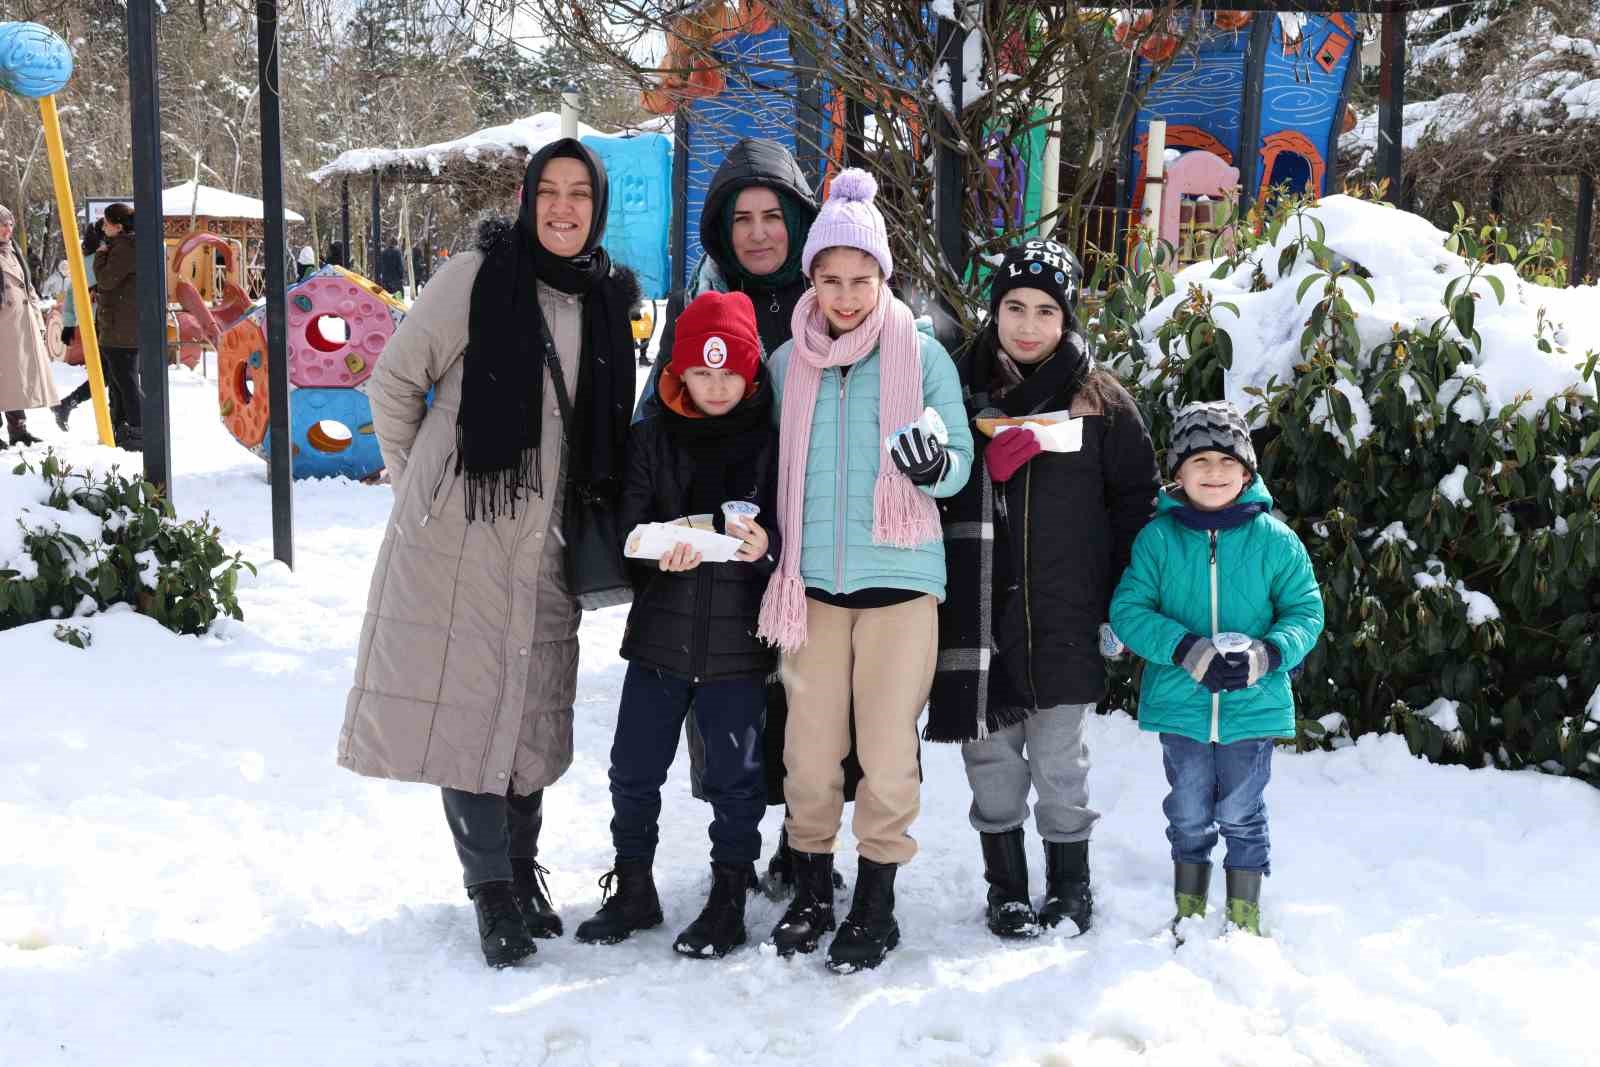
(902,515)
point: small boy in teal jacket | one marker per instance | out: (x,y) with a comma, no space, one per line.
(1221,602)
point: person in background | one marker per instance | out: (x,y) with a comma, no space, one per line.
(336,256)
(1221,602)
(391,269)
(1035,544)
(117,324)
(25,379)
(69,326)
(307,262)
(58,284)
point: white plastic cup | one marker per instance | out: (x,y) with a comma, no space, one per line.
(929,422)
(1230,642)
(738,514)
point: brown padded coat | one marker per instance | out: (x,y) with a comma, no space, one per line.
(116,320)
(468,663)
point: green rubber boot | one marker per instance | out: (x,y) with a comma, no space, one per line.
(1190,884)
(1244,901)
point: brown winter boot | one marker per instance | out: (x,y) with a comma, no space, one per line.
(17,427)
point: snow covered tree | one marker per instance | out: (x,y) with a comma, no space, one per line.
(1450,501)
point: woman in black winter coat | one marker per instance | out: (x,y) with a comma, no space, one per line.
(1034,547)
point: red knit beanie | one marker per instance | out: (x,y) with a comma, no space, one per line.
(718,330)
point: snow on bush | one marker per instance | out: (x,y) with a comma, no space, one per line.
(1426,419)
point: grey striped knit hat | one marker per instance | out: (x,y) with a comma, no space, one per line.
(1210,426)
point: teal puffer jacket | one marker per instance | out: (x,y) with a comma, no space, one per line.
(837,554)
(1265,588)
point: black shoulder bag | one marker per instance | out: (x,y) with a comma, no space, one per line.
(597,577)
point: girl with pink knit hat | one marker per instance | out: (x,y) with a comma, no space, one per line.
(853,603)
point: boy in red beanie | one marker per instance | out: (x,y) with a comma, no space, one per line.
(691,636)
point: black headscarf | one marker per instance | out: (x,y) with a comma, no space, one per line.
(503,378)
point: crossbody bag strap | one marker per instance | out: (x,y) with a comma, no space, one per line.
(558,378)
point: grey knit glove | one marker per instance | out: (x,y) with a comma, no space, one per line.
(1207,666)
(1259,660)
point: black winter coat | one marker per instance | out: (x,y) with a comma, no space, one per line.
(1065,525)
(699,624)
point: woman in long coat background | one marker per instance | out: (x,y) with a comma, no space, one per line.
(468,663)
(25,380)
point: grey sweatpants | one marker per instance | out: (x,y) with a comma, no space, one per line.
(1046,751)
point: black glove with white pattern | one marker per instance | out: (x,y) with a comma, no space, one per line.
(919,456)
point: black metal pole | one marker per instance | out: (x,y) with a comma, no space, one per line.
(375,246)
(280,461)
(344,220)
(1580,230)
(948,185)
(1391,98)
(150,285)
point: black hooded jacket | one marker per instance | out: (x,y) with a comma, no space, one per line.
(753,161)
(701,624)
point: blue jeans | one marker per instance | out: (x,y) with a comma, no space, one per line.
(729,717)
(1218,787)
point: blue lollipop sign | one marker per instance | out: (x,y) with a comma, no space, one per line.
(34,62)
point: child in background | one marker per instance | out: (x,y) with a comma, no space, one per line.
(691,636)
(1035,544)
(853,604)
(1221,602)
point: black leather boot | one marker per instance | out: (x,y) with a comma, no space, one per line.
(869,932)
(719,928)
(1066,885)
(810,913)
(629,903)
(504,938)
(533,897)
(17,427)
(1005,868)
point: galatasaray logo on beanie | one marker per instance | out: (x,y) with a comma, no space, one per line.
(717,331)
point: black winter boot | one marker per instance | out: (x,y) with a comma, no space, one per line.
(504,938)
(17,427)
(810,913)
(533,897)
(719,929)
(1005,868)
(63,411)
(869,931)
(629,903)
(1066,885)
(780,870)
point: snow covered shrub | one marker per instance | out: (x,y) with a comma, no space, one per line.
(72,544)
(1447,488)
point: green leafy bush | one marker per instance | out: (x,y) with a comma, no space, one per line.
(98,540)
(1458,548)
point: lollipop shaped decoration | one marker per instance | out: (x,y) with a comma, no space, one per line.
(34,62)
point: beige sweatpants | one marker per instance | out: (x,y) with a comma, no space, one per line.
(883,660)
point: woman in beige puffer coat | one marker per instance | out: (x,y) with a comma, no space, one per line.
(468,662)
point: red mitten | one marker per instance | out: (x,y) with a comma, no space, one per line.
(1009,451)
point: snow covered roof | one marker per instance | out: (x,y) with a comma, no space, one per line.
(1410,268)
(181,200)
(515,140)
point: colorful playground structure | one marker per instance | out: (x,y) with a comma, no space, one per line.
(338,325)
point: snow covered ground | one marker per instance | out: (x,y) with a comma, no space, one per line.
(187,878)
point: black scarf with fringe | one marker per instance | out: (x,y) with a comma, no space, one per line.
(504,374)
